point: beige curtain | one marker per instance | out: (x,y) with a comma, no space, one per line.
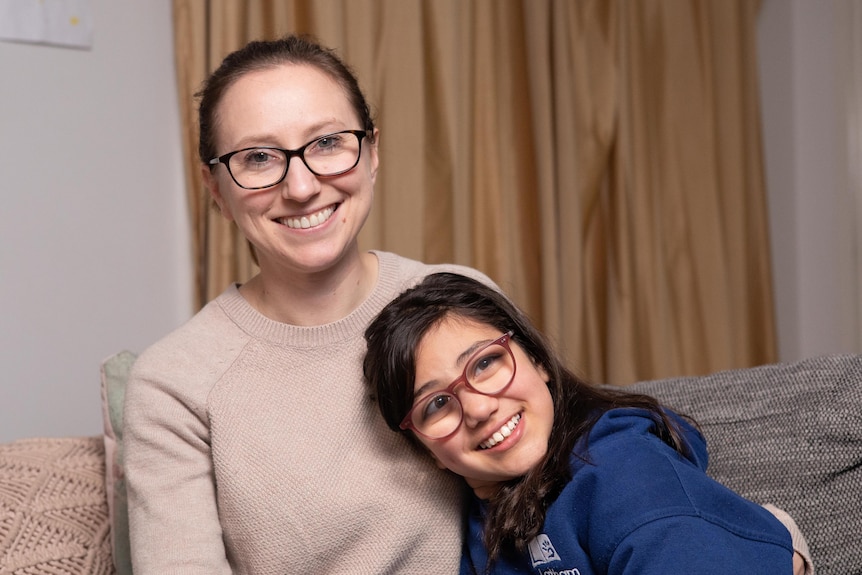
(600,159)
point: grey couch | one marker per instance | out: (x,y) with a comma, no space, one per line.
(786,434)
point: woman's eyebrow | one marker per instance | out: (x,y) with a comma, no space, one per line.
(310,133)
(468,353)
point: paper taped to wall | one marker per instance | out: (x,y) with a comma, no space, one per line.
(54,22)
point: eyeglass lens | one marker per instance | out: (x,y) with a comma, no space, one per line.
(489,371)
(327,156)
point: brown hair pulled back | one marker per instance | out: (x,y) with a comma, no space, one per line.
(267,54)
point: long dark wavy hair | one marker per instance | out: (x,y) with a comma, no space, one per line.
(516,512)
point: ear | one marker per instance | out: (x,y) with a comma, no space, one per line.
(541,369)
(212,184)
(372,150)
(544,374)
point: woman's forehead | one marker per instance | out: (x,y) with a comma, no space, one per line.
(452,335)
(294,99)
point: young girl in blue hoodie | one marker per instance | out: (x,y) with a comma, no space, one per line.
(568,478)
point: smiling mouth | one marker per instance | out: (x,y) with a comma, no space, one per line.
(501,433)
(308,221)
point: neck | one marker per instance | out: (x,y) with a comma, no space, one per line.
(484,490)
(310,299)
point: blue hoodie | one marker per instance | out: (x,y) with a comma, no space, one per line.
(636,506)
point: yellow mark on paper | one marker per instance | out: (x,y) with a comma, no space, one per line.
(74,20)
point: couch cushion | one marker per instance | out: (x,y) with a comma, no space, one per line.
(115,373)
(790,435)
(53,511)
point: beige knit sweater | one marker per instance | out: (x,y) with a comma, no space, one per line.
(254,446)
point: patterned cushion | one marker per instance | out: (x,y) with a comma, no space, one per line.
(789,435)
(53,510)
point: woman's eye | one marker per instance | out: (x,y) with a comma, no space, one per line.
(260,157)
(483,366)
(436,405)
(327,143)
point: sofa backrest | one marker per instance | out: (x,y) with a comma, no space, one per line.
(790,435)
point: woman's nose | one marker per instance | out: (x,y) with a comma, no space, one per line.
(299,183)
(476,407)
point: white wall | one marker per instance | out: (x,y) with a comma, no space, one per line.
(94,251)
(803,49)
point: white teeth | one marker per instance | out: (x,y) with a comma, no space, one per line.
(311,221)
(502,433)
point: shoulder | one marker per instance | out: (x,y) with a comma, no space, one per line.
(622,425)
(186,362)
(628,481)
(623,452)
(409,272)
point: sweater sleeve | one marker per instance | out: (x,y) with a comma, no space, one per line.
(800,544)
(692,544)
(173,516)
(656,511)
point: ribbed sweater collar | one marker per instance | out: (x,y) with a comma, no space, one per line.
(259,326)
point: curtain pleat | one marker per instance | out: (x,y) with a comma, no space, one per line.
(600,160)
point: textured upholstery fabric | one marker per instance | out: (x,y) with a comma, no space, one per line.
(53,512)
(789,435)
(115,373)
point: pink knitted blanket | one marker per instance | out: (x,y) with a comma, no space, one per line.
(53,508)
